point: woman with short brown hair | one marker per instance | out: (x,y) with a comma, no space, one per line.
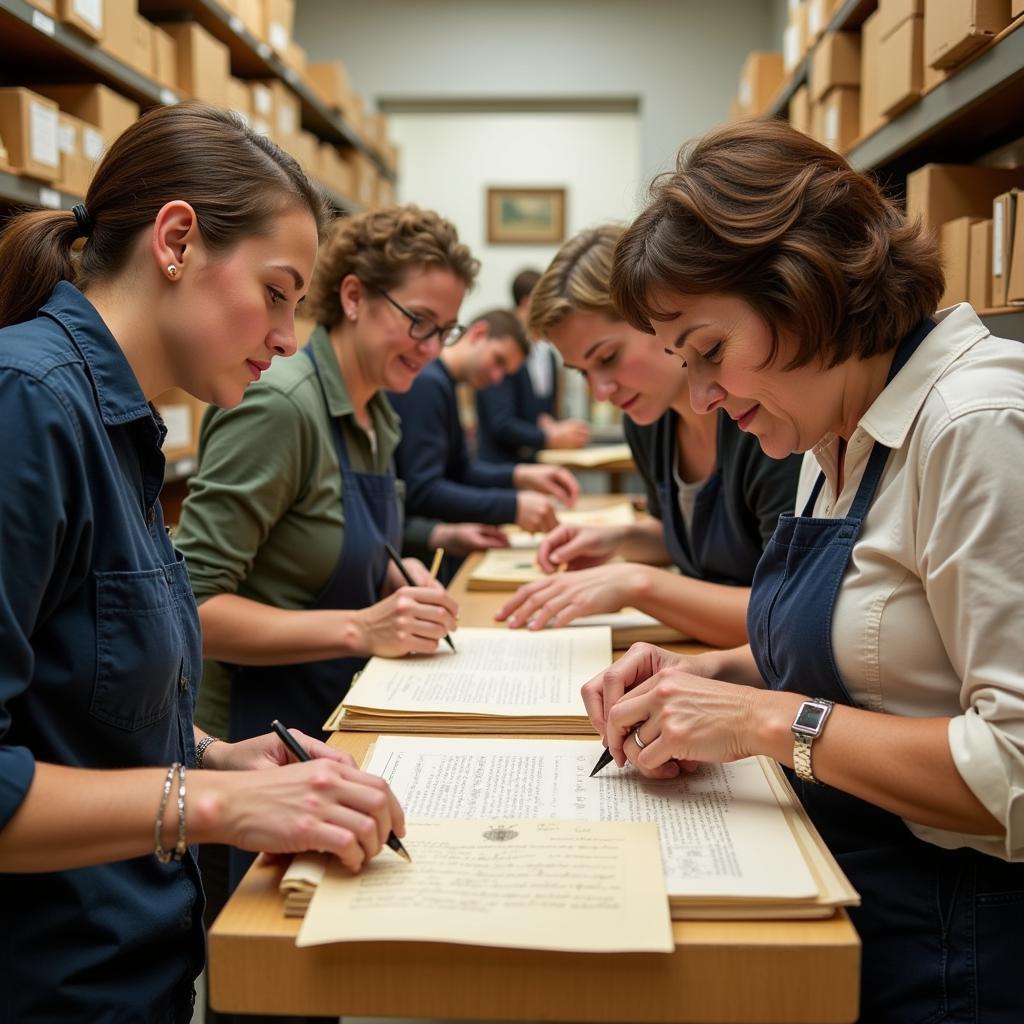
(884,662)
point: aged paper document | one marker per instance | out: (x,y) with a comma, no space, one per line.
(577,886)
(505,569)
(725,838)
(631,626)
(620,513)
(591,457)
(498,679)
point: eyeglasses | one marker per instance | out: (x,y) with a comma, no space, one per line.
(422,328)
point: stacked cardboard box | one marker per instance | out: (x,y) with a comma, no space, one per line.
(955,29)
(29,126)
(760,80)
(835,89)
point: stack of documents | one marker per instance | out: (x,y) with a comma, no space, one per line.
(498,681)
(506,568)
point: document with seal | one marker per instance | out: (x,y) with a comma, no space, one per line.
(498,680)
(576,886)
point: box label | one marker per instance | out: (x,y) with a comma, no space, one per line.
(791,46)
(832,127)
(42,133)
(746,97)
(286,121)
(178,420)
(92,144)
(263,98)
(997,240)
(66,138)
(90,11)
(43,23)
(278,36)
(49,198)
(816,17)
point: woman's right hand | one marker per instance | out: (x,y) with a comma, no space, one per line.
(410,621)
(534,512)
(578,547)
(322,805)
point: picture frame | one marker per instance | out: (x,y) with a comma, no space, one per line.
(525,216)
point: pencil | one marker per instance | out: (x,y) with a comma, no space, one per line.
(436,563)
(302,755)
(393,555)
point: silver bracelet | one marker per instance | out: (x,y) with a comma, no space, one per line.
(162,855)
(201,748)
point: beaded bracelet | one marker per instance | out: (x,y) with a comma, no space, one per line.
(201,748)
(162,855)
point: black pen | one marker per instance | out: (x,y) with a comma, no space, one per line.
(394,556)
(603,760)
(294,746)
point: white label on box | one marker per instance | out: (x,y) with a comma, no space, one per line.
(42,134)
(90,11)
(49,198)
(178,421)
(286,121)
(278,36)
(263,99)
(791,46)
(816,18)
(235,24)
(260,127)
(746,94)
(92,144)
(66,137)
(832,127)
(168,97)
(997,239)
(43,23)
(263,49)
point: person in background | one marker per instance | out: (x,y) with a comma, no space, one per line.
(713,495)
(197,238)
(515,419)
(885,656)
(441,481)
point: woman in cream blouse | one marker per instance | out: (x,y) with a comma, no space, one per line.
(886,659)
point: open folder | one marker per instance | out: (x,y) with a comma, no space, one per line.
(735,842)
(497,680)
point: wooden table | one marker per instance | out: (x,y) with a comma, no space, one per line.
(752,971)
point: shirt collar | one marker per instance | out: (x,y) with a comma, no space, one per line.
(892,414)
(118,393)
(339,402)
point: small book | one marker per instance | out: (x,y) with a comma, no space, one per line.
(497,681)
(505,569)
(593,457)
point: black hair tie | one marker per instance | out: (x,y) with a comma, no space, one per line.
(82,219)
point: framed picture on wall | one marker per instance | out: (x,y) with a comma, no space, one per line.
(525,215)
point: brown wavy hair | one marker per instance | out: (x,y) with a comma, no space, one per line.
(236,180)
(759,210)
(380,247)
(578,279)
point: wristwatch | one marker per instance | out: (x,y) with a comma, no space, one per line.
(807,727)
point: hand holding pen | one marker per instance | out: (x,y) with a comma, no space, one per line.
(301,754)
(400,566)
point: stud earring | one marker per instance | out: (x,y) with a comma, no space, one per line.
(172,270)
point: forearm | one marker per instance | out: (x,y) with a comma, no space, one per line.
(73,817)
(710,612)
(644,542)
(903,765)
(245,632)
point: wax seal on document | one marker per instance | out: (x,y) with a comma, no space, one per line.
(500,834)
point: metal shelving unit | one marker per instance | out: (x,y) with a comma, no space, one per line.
(21,191)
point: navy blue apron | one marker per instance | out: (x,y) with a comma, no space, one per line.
(712,549)
(942,930)
(303,695)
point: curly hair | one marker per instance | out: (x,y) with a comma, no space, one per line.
(577,280)
(380,247)
(758,210)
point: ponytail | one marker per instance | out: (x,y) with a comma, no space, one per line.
(35,253)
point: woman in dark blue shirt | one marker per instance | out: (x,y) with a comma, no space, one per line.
(199,237)
(714,496)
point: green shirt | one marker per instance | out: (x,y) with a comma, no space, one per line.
(265,515)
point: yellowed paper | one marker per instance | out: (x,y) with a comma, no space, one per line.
(588,887)
(621,513)
(505,569)
(586,458)
(630,626)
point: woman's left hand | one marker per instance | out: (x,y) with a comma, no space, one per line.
(682,717)
(553,480)
(557,600)
(267,751)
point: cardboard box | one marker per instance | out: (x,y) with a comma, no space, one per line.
(364,172)
(1004,211)
(119,38)
(295,58)
(385,192)
(240,99)
(182,415)
(285,114)
(46,6)
(954,29)
(29,126)
(835,62)
(979,270)
(901,68)
(75,166)
(279,20)
(1015,284)
(331,83)
(942,192)
(88,16)
(204,63)
(870,52)
(1016,8)
(250,14)
(165,57)
(101,107)
(839,118)
(892,14)
(819,13)
(800,110)
(760,79)
(955,243)
(794,37)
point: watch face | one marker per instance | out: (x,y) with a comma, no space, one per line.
(810,718)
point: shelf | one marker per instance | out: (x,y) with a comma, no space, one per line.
(33,41)
(253,58)
(18,191)
(978,108)
(850,15)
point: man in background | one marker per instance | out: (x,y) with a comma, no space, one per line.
(515,419)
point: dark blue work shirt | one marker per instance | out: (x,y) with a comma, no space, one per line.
(507,415)
(99,661)
(441,481)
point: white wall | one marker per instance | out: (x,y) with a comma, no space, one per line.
(448,160)
(680,59)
